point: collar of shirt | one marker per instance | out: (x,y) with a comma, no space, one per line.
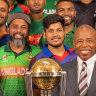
(26,49)
(5,33)
(74,29)
(49,53)
(90,65)
(33,21)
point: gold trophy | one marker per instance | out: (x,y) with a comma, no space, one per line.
(45,74)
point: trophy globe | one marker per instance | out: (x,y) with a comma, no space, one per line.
(45,74)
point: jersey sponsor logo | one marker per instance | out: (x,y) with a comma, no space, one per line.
(29,57)
(4,57)
(13,71)
(50,11)
(34,39)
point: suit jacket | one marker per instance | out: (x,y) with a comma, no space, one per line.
(72,87)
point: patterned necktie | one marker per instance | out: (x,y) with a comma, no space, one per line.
(83,87)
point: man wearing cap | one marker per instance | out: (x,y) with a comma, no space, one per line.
(16,55)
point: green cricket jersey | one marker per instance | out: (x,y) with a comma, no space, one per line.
(12,69)
(50,6)
(36,31)
(68,40)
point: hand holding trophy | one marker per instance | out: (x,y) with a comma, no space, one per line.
(45,74)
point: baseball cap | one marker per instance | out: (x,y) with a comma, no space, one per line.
(18,16)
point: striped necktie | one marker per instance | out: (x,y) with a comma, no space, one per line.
(83,87)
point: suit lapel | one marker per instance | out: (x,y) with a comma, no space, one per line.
(72,76)
(92,86)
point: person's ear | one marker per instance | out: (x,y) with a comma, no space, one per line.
(74,44)
(44,34)
(8,14)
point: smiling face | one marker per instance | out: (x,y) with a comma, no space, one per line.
(3,12)
(18,31)
(36,6)
(85,42)
(55,35)
(66,9)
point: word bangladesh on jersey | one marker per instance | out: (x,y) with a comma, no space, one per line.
(13,71)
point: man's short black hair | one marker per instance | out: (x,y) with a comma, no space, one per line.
(63,0)
(51,19)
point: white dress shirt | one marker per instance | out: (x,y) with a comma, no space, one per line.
(90,66)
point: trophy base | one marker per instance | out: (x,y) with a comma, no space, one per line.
(45,92)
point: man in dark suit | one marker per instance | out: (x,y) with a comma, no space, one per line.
(85,46)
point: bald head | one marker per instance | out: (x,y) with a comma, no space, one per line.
(84,29)
(84,41)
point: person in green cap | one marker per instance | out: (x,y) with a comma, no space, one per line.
(15,57)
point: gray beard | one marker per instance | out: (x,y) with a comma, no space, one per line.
(18,42)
